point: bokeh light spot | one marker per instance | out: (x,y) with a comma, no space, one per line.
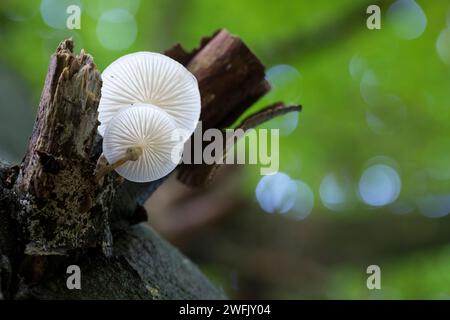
(374,122)
(54,12)
(335,192)
(357,67)
(276,193)
(304,201)
(117,29)
(285,82)
(379,185)
(434,206)
(443,46)
(286,124)
(369,88)
(387,113)
(407,18)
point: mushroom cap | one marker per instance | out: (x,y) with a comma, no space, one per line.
(150,78)
(151,129)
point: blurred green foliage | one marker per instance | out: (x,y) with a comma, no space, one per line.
(366,93)
(422,275)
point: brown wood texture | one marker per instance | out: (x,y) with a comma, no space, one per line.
(54,212)
(231,78)
(62,206)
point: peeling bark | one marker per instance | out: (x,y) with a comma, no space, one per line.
(62,208)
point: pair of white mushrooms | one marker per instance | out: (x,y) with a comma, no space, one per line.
(149,107)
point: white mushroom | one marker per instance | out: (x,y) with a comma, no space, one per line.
(139,143)
(150,78)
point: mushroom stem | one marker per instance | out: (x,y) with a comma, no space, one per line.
(132,154)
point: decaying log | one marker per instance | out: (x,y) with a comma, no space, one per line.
(144,267)
(62,206)
(54,213)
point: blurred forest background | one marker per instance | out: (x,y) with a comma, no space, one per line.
(364,169)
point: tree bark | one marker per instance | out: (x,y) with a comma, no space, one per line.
(231,78)
(144,266)
(54,213)
(62,206)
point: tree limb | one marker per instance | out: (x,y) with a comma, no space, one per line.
(197,175)
(143,267)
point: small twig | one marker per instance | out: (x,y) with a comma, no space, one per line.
(103,167)
(266,114)
(203,174)
(252,121)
